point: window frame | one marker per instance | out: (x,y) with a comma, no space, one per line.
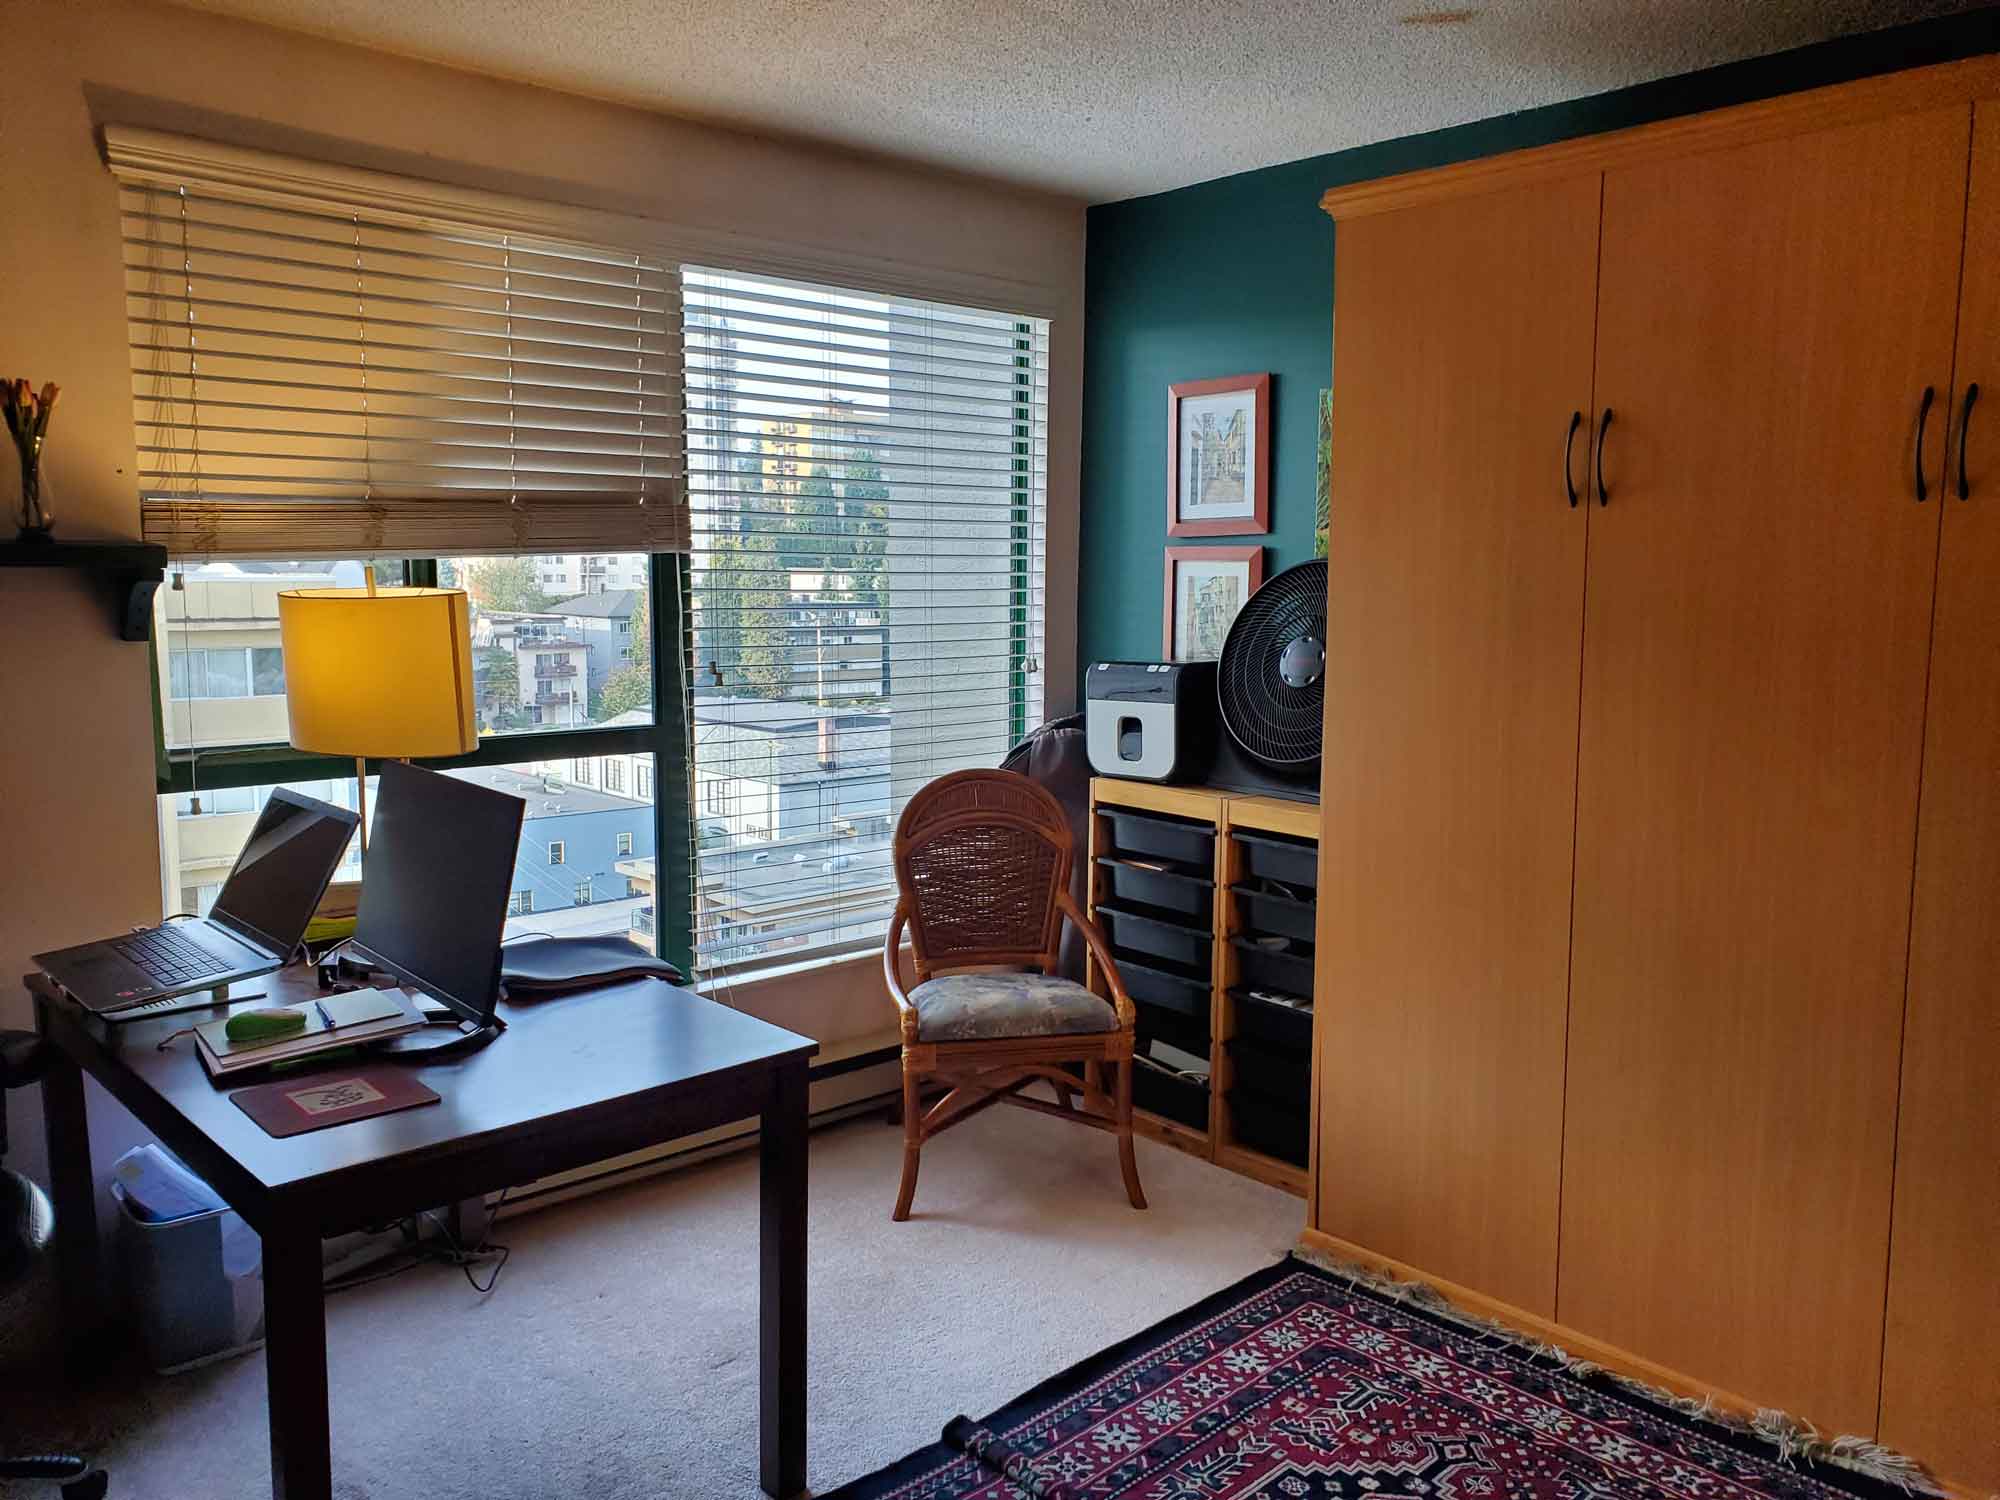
(180,772)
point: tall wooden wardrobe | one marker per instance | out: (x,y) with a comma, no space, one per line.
(1659,949)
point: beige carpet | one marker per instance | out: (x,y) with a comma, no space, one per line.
(618,1355)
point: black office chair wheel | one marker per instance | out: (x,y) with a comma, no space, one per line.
(91,1487)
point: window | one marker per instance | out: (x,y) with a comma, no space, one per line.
(520,903)
(226,672)
(868,485)
(858,480)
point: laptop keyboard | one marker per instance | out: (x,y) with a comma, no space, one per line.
(169,958)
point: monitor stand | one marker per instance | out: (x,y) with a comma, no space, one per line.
(424,1046)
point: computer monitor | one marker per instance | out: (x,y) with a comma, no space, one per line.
(434,886)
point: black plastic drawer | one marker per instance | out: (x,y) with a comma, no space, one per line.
(1175,888)
(1157,1024)
(1284,1027)
(1264,912)
(1152,933)
(1272,856)
(1271,966)
(1179,841)
(1159,1092)
(1283,1133)
(1283,1078)
(1159,984)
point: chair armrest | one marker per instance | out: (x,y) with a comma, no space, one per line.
(892,972)
(1100,951)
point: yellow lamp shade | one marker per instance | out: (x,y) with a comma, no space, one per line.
(383,672)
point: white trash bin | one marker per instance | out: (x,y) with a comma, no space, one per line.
(194,1268)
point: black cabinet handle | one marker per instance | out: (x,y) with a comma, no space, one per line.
(1569,442)
(1923,422)
(1603,494)
(1964,432)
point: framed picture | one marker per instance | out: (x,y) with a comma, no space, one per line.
(1219,456)
(1206,586)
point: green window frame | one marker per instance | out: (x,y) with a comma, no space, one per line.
(665,738)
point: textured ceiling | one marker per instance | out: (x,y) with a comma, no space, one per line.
(1101,99)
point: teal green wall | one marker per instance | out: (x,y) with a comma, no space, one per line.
(1236,276)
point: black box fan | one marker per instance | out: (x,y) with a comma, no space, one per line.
(1270,688)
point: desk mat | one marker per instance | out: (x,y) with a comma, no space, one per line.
(300,1104)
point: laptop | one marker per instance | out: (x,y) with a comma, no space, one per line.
(254,926)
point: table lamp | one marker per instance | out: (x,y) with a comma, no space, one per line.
(378,672)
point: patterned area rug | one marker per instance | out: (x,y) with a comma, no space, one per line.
(1297,1384)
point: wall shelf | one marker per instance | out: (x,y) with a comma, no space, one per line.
(130,572)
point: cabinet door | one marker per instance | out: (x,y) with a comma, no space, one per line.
(1755,647)
(1462,341)
(1941,1371)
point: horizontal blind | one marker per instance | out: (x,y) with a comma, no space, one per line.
(867,481)
(313,379)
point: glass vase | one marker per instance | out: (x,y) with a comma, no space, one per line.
(36,516)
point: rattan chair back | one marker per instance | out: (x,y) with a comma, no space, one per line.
(980,857)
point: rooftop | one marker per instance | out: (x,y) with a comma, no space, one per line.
(550,796)
(776,716)
(610,604)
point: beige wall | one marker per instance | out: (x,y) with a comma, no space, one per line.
(76,815)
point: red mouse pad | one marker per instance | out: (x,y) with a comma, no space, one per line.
(301,1104)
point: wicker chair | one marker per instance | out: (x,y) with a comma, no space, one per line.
(982,870)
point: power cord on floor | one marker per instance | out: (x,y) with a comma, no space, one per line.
(450,1253)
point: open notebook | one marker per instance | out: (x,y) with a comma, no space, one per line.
(358,1016)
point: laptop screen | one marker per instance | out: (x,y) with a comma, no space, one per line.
(284,868)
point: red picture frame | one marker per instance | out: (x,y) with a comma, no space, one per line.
(1258,522)
(1253,555)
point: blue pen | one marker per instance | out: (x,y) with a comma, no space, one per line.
(320,1006)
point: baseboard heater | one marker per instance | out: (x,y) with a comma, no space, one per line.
(840,1089)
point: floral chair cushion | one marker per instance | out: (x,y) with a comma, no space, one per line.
(980,1007)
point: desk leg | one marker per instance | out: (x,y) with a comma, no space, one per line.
(75,1194)
(295,1366)
(782,1286)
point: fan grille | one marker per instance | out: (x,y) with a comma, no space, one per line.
(1271,719)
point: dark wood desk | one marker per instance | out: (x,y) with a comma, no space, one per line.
(572,1081)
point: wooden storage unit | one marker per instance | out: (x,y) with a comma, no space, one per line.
(1662,829)
(1455,613)
(1941,1371)
(1214,824)
(1753,703)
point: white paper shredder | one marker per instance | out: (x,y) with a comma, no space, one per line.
(1150,721)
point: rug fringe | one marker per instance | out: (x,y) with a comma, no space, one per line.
(1791,1437)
